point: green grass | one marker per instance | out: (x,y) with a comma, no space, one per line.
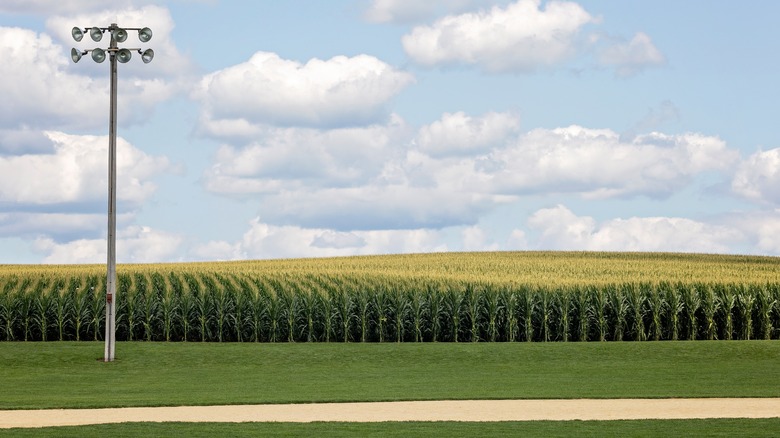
(69,374)
(644,428)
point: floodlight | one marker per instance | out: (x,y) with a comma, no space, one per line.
(147,55)
(120,35)
(123,55)
(77,34)
(75,54)
(98,55)
(145,35)
(96,34)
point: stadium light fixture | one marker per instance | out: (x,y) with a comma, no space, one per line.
(115,54)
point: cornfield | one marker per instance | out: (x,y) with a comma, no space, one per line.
(492,297)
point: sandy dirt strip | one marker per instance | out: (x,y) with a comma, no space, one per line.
(454,410)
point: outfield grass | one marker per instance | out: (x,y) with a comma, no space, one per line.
(643,428)
(68,374)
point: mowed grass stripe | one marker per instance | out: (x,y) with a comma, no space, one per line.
(69,374)
(655,428)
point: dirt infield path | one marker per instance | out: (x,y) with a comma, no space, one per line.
(453,410)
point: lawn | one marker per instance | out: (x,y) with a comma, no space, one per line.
(645,428)
(69,374)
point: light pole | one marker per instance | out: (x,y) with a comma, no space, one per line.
(118,35)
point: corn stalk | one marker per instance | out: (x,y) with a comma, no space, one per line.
(600,300)
(745,301)
(453,300)
(511,305)
(473,307)
(80,297)
(435,299)
(527,310)
(709,307)
(584,311)
(635,298)
(765,303)
(418,309)
(692,303)
(727,300)
(675,308)
(9,309)
(97,307)
(563,304)
(618,305)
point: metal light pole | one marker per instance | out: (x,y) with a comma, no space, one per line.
(118,35)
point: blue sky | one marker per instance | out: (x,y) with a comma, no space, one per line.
(272,129)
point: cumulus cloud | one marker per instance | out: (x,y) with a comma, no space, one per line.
(76,172)
(134,244)
(758,177)
(345,178)
(459,134)
(561,229)
(521,37)
(406,11)
(42,89)
(595,163)
(475,239)
(61,224)
(267,89)
(449,172)
(762,229)
(305,156)
(632,57)
(377,207)
(37,89)
(263,241)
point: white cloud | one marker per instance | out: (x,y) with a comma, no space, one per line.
(595,163)
(521,37)
(37,90)
(458,133)
(346,178)
(758,177)
(76,172)
(280,158)
(451,172)
(25,223)
(517,241)
(561,229)
(376,207)
(763,229)
(267,89)
(631,57)
(338,240)
(133,245)
(41,88)
(264,241)
(475,239)
(405,11)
